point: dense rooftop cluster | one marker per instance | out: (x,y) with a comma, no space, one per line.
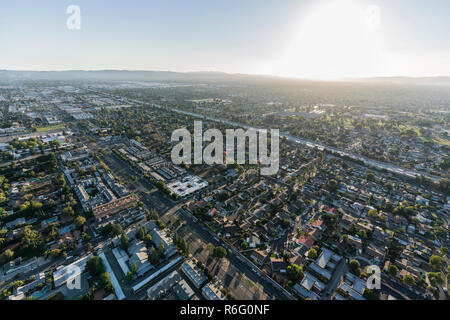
(88,192)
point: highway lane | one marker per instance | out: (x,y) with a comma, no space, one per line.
(298,140)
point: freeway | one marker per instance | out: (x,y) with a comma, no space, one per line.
(312,144)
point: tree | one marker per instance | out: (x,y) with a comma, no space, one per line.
(153,215)
(160,224)
(370,176)
(370,294)
(362,234)
(210,247)
(80,221)
(55,144)
(31,240)
(435,278)
(134,267)
(436,262)
(393,270)
(132,272)
(181,244)
(153,257)
(147,240)
(285,223)
(60,181)
(161,250)
(219,252)
(312,253)
(55,253)
(88,247)
(124,241)
(141,232)
(68,210)
(105,282)
(345,238)
(355,267)
(405,211)
(116,230)
(373,213)
(295,272)
(332,185)
(95,266)
(6,256)
(130,276)
(409,280)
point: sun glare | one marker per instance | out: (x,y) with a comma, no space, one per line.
(336,40)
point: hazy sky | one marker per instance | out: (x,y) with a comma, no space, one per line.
(299,38)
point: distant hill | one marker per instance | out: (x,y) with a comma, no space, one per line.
(208,76)
(115,75)
(407,80)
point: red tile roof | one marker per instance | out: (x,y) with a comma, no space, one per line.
(318,223)
(307,241)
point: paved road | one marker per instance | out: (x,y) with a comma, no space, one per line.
(149,194)
(400,289)
(272,291)
(341,269)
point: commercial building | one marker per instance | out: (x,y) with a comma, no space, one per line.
(197,277)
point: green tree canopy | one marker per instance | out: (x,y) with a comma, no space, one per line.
(436,262)
(95,266)
(295,272)
(219,252)
(354,267)
(393,270)
(80,221)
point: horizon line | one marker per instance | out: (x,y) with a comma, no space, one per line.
(237,74)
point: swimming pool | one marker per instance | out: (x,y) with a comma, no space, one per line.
(39,294)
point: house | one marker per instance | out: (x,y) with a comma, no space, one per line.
(422,201)
(319,224)
(364,227)
(316,234)
(311,283)
(358,207)
(278,265)
(377,254)
(355,242)
(253,241)
(196,205)
(353,287)
(230,230)
(307,241)
(305,294)
(347,221)
(328,259)
(213,212)
(259,256)
(379,234)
